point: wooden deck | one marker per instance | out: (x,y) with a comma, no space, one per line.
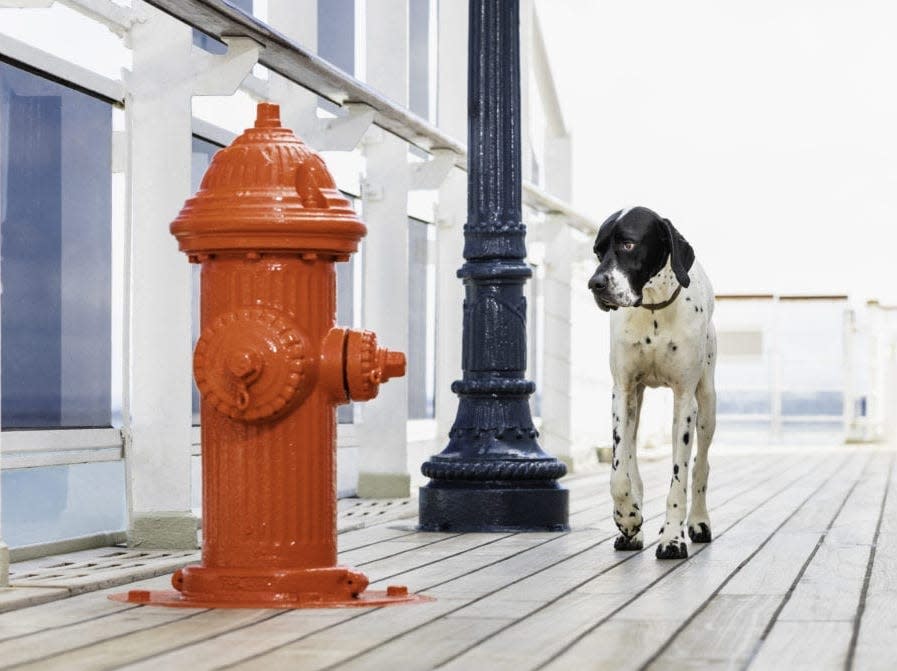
(802,574)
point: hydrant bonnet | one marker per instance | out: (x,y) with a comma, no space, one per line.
(268,191)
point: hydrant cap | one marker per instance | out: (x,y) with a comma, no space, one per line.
(268,191)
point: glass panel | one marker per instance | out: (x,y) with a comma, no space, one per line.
(421,373)
(42,505)
(203,151)
(55,220)
(419,57)
(336,33)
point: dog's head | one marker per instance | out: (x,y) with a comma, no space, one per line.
(632,246)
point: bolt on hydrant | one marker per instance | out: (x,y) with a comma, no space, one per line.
(267,227)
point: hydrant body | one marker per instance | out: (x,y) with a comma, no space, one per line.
(267,227)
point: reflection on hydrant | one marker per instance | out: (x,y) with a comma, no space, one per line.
(267,226)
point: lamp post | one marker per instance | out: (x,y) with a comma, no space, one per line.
(493,475)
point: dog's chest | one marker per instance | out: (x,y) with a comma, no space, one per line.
(656,348)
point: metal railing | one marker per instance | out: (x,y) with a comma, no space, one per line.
(221,20)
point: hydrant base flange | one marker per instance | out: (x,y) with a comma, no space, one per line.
(174,599)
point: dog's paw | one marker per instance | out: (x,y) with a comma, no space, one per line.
(623,542)
(675,549)
(700,533)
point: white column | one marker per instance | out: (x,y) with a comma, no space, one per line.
(577,385)
(451,214)
(298,20)
(383,458)
(158,419)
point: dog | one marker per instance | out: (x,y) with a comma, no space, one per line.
(662,335)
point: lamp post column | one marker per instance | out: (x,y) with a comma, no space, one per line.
(493,475)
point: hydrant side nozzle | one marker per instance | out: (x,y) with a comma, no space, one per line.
(394,365)
(332,366)
(368,366)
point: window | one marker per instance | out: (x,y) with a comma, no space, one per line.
(202,154)
(55,220)
(422,54)
(336,33)
(421,371)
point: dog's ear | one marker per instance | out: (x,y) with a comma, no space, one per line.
(682,256)
(604,232)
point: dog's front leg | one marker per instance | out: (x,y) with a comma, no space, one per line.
(672,535)
(625,481)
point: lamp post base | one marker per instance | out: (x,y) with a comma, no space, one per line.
(493,507)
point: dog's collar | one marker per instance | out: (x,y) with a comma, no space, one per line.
(666,303)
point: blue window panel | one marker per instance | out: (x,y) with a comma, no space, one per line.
(336,33)
(55,220)
(52,503)
(202,154)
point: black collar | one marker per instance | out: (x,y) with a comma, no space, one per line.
(666,303)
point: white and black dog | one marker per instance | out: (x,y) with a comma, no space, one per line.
(661,336)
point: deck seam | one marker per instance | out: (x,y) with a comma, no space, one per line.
(861,606)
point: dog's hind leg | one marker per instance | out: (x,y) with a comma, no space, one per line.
(672,535)
(625,481)
(698,519)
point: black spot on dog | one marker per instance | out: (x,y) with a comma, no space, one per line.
(687,298)
(616,438)
(685,437)
(675,505)
(675,469)
(688,420)
(696,308)
(674,347)
(632,514)
(655,324)
(648,341)
(634,505)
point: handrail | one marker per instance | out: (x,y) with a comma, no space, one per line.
(220,19)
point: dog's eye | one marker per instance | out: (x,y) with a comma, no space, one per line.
(628,246)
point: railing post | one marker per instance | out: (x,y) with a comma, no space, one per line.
(493,475)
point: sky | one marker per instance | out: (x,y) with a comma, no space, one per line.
(765,130)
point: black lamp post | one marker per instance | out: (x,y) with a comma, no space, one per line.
(493,475)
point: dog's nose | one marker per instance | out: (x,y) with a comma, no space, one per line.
(598,282)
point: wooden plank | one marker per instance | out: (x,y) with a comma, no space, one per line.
(232,646)
(69,611)
(724,634)
(420,638)
(545,632)
(13,598)
(875,628)
(799,646)
(772,572)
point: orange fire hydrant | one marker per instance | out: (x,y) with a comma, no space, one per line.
(267,226)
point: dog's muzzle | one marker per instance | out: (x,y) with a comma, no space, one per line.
(603,302)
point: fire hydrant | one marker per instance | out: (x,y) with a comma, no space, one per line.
(267,227)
